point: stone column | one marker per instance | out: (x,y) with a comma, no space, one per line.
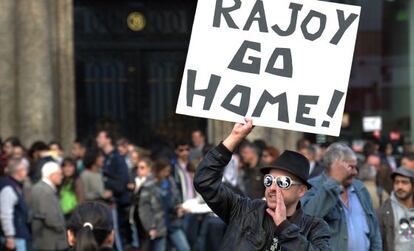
(34,71)
(65,72)
(8,116)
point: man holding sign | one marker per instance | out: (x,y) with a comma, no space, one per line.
(275,224)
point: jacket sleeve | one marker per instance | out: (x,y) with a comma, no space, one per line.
(145,209)
(327,192)
(8,200)
(291,238)
(208,183)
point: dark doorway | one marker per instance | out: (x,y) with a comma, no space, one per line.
(130,57)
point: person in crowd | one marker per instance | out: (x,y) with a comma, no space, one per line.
(78,153)
(123,149)
(251,177)
(135,159)
(19,152)
(91,228)
(48,224)
(407,161)
(13,208)
(396,216)
(71,190)
(310,152)
(183,173)
(39,154)
(302,143)
(383,179)
(6,152)
(116,175)
(143,170)
(160,211)
(269,155)
(277,223)
(368,175)
(388,157)
(343,202)
(56,151)
(199,145)
(91,177)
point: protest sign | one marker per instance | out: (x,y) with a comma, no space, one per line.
(284,63)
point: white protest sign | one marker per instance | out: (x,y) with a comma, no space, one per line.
(284,63)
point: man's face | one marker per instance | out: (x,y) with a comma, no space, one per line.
(21,172)
(403,188)
(305,152)
(143,169)
(56,178)
(18,152)
(123,150)
(407,163)
(8,149)
(374,161)
(102,139)
(248,154)
(352,164)
(197,138)
(291,196)
(183,151)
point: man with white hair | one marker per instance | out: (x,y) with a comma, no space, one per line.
(13,208)
(48,220)
(343,202)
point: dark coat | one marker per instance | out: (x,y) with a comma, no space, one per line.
(245,217)
(116,177)
(386,224)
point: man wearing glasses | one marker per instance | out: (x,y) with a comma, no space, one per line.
(277,223)
(343,202)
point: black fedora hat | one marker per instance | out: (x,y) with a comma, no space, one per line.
(292,162)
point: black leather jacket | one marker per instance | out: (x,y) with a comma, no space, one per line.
(245,217)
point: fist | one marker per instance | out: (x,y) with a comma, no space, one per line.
(340,171)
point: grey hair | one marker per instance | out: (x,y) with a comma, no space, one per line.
(338,151)
(15,163)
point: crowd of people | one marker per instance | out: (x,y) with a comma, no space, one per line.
(365,195)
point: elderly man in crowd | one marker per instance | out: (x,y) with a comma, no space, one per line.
(396,216)
(48,220)
(13,208)
(343,202)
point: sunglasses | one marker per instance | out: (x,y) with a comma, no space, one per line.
(284,182)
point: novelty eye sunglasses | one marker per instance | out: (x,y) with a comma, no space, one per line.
(284,182)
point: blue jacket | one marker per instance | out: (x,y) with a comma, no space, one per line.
(116,177)
(322,200)
(20,213)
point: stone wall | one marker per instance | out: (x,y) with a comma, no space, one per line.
(37,70)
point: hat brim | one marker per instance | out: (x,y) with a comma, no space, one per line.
(266,170)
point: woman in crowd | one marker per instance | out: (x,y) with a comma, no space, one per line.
(92,179)
(71,190)
(91,228)
(269,155)
(160,212)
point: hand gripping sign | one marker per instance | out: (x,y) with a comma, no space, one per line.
(284,63)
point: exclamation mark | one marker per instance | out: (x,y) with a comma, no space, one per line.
(336,99)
